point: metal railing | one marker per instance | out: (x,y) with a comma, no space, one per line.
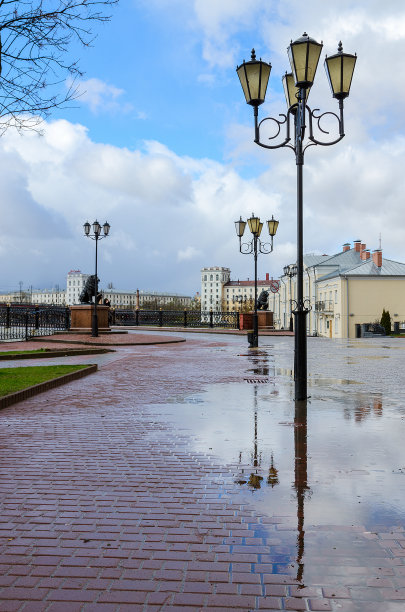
(24,322)
(177,318)
(324,306)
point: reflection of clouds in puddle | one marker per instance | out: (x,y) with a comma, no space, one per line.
(347,471)
(350,464)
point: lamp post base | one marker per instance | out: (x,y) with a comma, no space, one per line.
(253,339)
(300,354)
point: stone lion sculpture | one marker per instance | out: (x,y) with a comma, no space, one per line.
(263,300)
(87,294)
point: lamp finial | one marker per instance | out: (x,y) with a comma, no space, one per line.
(340,47)
(253,55)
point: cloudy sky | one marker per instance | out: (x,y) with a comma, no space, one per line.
(160,144)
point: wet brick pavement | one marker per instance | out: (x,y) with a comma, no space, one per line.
(106,505)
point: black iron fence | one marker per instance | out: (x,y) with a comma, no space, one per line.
(176,318)
(23,322)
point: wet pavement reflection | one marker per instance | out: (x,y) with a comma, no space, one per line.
(331,468)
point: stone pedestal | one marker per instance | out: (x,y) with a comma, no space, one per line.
(246,320)
(264,319)
(81,318)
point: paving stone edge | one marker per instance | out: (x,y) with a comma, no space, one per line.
(56,353)
(19,396)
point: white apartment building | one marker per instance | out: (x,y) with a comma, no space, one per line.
(212,283)
(48,296)
(35,296)
(74,286)
(137,299)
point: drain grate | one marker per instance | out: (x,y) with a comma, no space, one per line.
(257,380)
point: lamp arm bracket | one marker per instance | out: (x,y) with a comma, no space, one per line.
(246,248)
(312,114)
(285,119)
(265,247)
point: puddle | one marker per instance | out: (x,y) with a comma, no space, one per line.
(331,468)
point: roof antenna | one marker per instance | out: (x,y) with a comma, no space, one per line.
(379,242)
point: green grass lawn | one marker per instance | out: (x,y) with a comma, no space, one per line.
(24,352)
(17,379)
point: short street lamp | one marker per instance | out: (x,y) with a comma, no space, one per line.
(95,236)
(290,271)
(254,75)
(255,246)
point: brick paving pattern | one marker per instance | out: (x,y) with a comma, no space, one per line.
(105,508)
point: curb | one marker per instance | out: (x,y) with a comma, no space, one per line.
(206,330)
(19,396)
(84,342)
(56,353)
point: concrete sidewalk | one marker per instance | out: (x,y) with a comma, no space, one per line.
(106,506)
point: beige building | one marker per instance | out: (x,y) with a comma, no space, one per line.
(342,290)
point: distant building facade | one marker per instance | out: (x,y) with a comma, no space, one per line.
(219,293)
(342,290)
(75,283)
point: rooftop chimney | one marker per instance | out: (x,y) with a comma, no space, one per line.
(267,276)
(346,247)
(365,254)
(357,245)
(377,258)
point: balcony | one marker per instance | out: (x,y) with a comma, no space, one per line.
(324,306)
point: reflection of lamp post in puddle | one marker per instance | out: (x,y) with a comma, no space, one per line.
(255,479)
(300,478)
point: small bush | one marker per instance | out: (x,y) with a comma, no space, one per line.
(386,321)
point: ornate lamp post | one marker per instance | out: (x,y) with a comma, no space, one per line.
(255,246)
(95,236)
(290,271)
(254,75)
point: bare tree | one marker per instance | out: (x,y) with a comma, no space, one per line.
(36,36)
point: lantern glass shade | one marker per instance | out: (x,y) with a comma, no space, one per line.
(272,225)
(294,269)
(304,56)
(86,228)
(240,227)
(254,77)
(96,228)
(291,92)
(339,70)
(254,224)
(106,228)
(259,231)
(286,270)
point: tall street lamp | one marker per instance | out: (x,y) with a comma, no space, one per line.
(290,271)
(95,236)
(254,76)
(255,246)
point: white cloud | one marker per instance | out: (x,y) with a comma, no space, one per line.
(100,96)
(189,252)
(167,209)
